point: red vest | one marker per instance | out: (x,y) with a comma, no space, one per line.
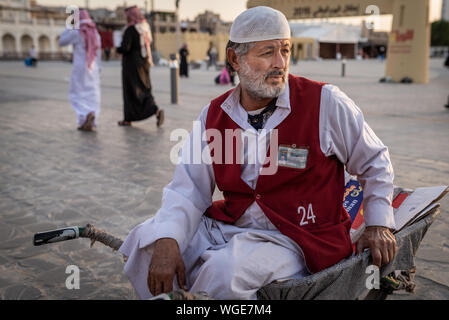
(305,204)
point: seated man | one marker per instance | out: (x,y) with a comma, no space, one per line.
(272,224)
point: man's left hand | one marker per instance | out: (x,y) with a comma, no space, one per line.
(381,242)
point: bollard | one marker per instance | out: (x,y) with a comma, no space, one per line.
(174,78)
(343,67)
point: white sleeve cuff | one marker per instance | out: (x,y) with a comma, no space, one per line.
(168,230)
(379,213)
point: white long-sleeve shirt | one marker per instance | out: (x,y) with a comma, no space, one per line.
(343,132)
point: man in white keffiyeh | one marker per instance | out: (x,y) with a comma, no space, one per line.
(269,226)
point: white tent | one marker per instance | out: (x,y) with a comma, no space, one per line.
(328,32)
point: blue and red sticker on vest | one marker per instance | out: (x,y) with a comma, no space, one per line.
(353,204)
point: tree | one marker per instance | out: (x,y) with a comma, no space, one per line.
(440,33)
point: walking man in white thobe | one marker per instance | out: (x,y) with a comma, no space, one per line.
(272,224)
(84,92)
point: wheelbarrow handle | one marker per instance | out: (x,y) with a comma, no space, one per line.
(57,235)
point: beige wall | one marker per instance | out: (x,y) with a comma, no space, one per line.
(308,50)
(220,41)
(198,44)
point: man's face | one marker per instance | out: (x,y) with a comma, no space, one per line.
(263,72)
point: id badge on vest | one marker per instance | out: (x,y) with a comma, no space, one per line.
(291,156)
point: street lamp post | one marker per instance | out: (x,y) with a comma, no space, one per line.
(178,45)
(174,78)
(174,67)
(343,67)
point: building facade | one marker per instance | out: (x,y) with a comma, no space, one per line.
(24,24)
(199,34)
(211,23)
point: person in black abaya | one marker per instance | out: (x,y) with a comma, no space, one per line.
(184,66)
(135,48)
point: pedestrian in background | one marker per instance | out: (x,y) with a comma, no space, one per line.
(224,77)
(208,57)
(84,92)
(107,43)
(33,56)
(212,53)
(138,101)
(184,66)
(446,63)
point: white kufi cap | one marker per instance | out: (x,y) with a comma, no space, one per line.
(259,24)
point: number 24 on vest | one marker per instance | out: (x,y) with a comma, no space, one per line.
(306,215)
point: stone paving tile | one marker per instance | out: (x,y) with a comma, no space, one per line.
(22,292)
(52,175)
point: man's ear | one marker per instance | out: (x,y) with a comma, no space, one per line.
(233,59)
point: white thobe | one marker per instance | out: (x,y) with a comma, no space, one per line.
(234,261)
(84,92)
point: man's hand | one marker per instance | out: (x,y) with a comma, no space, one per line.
(165,263)
(381,242)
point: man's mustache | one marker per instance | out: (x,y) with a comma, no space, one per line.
(275,73)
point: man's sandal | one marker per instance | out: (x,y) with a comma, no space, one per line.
(88,125)
(124,123)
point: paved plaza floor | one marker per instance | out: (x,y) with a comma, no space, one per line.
(52,175)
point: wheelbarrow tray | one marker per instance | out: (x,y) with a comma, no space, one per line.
(347,279)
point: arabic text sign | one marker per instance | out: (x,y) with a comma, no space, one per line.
(309,9)
(328,11)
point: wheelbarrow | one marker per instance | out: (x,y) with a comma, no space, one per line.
(346,280)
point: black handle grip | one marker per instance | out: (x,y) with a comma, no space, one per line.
(58,235)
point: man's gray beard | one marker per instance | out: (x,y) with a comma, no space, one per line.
(254,83)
